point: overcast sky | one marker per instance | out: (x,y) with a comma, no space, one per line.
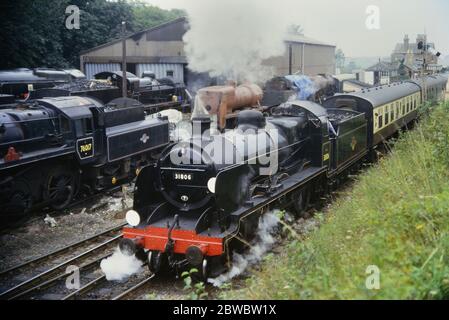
(343,22)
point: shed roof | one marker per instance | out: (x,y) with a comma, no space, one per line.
(136,35)
(299,38)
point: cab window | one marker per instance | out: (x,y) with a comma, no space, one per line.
(83,127)
(88,125)
(64,124)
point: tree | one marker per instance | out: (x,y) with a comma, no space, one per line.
(33,32)
(100,22)
(147,16)
(30,33)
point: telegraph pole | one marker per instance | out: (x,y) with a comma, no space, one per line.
(124,81)
(425,67)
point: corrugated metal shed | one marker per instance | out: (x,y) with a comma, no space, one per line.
(92,69)
(162,70)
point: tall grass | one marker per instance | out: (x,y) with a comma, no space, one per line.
(396,217)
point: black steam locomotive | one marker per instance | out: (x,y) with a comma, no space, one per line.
(155,94)
(299,87)
(18,83)
(51,148)
(204,197)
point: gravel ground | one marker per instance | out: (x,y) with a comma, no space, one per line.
(44,234)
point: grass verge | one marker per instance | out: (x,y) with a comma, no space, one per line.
(395,218)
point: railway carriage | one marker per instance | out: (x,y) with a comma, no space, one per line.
(391,107)
(386,108)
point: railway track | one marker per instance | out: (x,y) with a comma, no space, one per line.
(23,280)
(9,222)
(100,288)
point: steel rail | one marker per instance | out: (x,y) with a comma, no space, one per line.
(51,281)
(61,250)
(134,288)
(85,288)
(26,284)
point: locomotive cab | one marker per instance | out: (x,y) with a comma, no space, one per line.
(76,123)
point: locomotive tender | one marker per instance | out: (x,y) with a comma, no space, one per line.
(192,208)
(20,82)
(52,147)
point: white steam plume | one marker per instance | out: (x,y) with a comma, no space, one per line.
(232,38)
(119,266)
(263,242)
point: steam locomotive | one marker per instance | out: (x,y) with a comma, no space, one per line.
(18,83)
(26,85)
(51,148)
(204,197)
(313,88)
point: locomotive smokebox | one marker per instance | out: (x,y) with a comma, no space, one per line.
(222,100)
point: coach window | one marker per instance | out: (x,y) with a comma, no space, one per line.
(392,111)
(379,121)
(387,112)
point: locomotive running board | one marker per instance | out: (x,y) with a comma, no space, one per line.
(290,184)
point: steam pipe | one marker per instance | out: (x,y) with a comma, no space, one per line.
(290,58)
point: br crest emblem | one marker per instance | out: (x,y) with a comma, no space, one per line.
(144,138)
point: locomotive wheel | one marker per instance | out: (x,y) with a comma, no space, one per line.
(21,199)
(301,201)
(205,269)
(60,187)
(156,261)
